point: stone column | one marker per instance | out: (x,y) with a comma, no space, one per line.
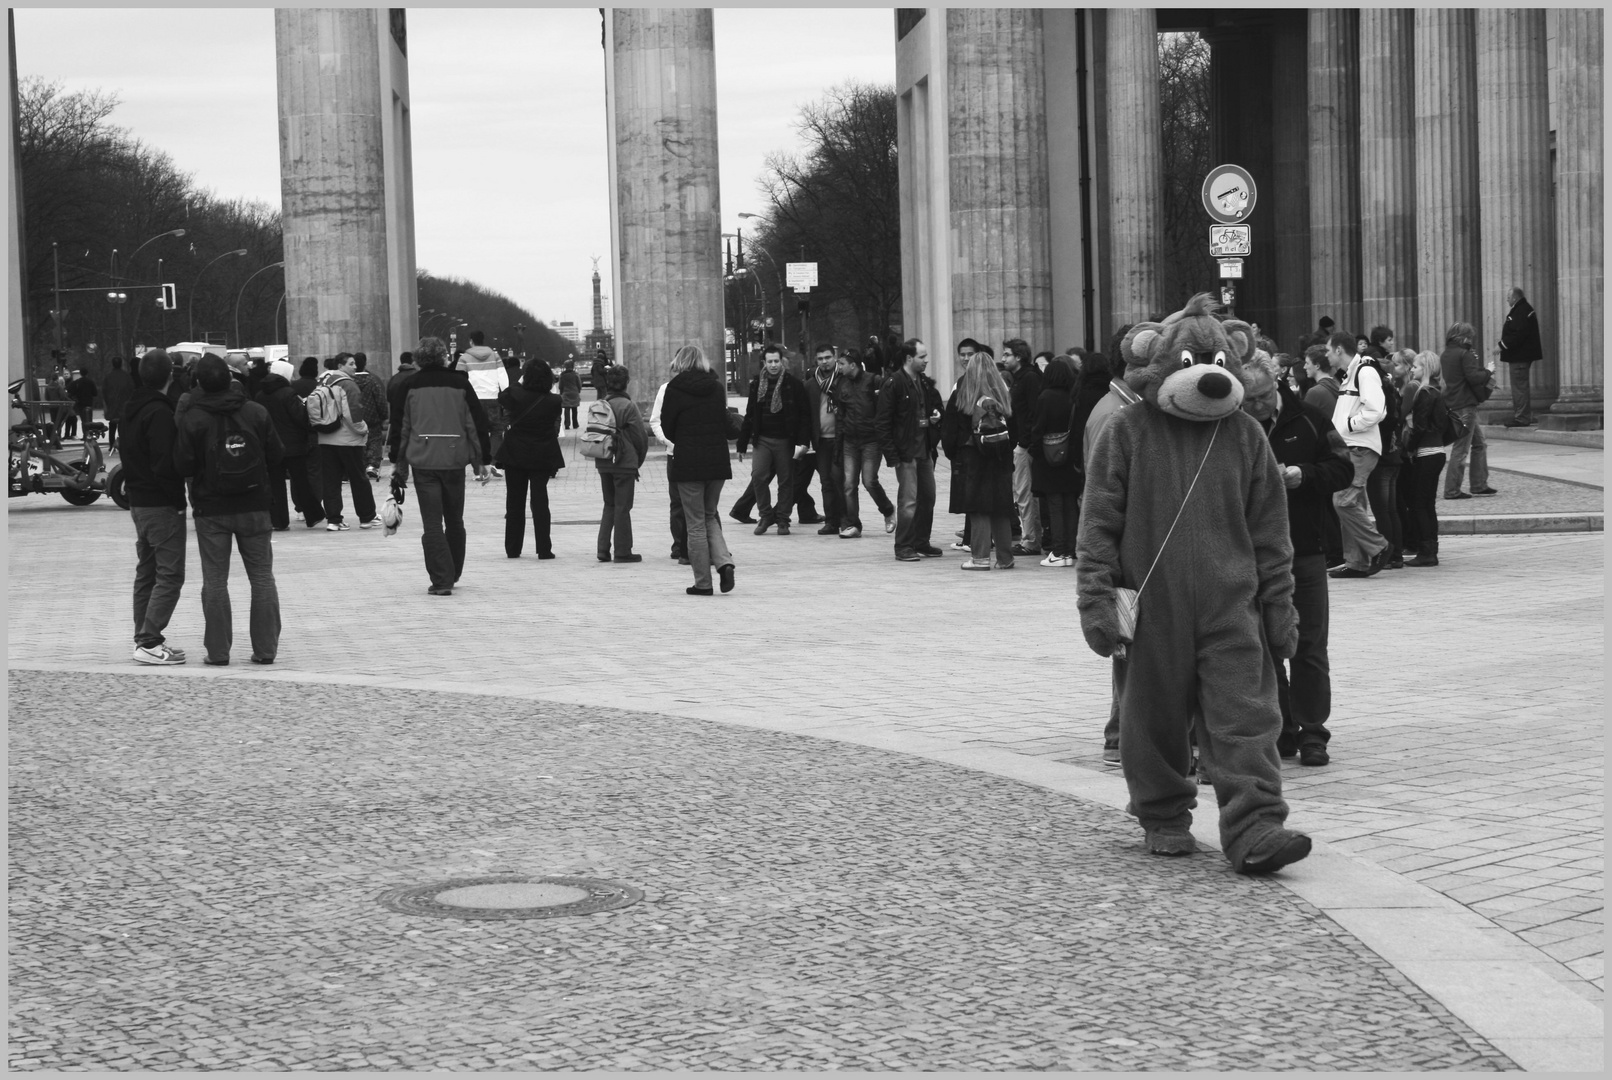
(1000,210)
(1580,217)
(1135,165)
(1388,173)
(1289,190)
(1241,123)
(669,253)
(1447,225)
(1334,93)
(332,180)
(1514,188)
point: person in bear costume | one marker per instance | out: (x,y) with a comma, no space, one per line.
(1215,593)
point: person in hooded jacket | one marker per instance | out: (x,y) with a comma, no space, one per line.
(299,441)
(618,474)
(694,416)
(226,513)
(1061,483)
(530,457)
(156,494)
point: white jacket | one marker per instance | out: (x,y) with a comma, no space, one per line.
(487,372)
(1360,406)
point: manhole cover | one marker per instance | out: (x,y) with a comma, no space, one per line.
(511,897)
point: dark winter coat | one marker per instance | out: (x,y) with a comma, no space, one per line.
(1464,377)
(901,403)
(289,415)
(1302,435)
(1419,429)
(82,391)
(197,436)
(303,385)
(437,406)
(1519,338)
(792,421)
(1050,415)
(1023,393)
(815,393)
(856,403)
(694,417)
(396,387)
(146,446)
(982,476)
(532,439)
(116,388)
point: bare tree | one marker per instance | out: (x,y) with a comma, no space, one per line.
(1184,101)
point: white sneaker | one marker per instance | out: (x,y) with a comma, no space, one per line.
(370,524)
(960,546)
(338,526)
(850,532)
(1054,560)
(158,654)
(373,474)
(970,564)
(496,471)
(889,523)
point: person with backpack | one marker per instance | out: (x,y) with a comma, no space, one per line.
(437,429)
(226,446)
(1359,411)
(530,457)
(1314,468)
(1053,469)
(978,432)
(1430,427)
(336,410)
(1382,489)
(290,417)
(628,440)
(373,391)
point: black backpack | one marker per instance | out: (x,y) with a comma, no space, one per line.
(1390,429)
(235,464)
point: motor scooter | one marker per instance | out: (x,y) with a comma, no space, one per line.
(79,475)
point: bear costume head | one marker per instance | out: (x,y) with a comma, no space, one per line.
(1188,364)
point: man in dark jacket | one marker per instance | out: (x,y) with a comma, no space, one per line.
(290,418)
(1314,465)
(226,447)
(397,385)
(1519,347)
(116,389)
(82,390)
(156,494)
(1025,383)
(908,423)
(826,438)
(777,419)
(856,402)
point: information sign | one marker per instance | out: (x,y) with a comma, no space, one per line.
(801,276)
(1231,268)
(1230,241)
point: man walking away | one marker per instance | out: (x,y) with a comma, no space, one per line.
(298,443)
(116,389)
(437,429)
(341,452)
(908,420)
(488,378)
(1313,469)
(375,409)
(156,494)
(226,446)
(1359,411)
(856,407)
(83,392)
(396,387)
(1519,347)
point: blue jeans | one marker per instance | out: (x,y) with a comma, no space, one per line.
(702,508)
(1361,540)
(616,517)
(159,569)
(860,462)
(773,457)
(441,494)
(915,503)
(1474,443)
(251,533)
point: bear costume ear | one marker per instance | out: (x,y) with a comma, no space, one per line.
(1137,348)
(1241,338)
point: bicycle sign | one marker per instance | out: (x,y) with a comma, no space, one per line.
(1230,241)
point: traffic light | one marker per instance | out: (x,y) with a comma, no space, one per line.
(803,305)
(168,301)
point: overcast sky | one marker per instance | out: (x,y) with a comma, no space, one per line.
(508,117)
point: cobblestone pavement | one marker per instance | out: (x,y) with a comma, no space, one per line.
(1467,756)
(194,881)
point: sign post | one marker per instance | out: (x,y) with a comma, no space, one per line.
(802,278)
(1229,195)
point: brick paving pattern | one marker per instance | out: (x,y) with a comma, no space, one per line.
(202,871)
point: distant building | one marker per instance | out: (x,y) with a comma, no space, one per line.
(570,331)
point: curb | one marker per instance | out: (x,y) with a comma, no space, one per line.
(1499,524)
(1594,440)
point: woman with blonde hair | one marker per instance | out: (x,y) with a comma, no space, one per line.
(1425,450)
(978,433)
(694,417)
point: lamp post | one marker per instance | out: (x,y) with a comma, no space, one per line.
(777,279)
(190,308)
(239,344)
(277,309)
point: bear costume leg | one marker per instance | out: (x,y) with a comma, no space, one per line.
(1231,685)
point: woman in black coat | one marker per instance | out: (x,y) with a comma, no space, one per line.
(1061,483)
(530,455)
(694,418)
(982,465)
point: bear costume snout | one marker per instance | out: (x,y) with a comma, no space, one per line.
(1200,393)
(1214,385)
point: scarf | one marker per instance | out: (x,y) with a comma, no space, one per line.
(777,391)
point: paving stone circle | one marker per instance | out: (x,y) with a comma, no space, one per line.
(505,897)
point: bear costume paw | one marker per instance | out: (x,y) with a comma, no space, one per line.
(1171,840)
(1282,847)
(1100,624)
(1282,630)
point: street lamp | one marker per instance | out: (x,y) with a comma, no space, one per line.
(154,239)
(777,278)
(190,308)
(238,342)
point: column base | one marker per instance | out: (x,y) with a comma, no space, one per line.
(1574,421)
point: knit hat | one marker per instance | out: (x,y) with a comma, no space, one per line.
(283,369)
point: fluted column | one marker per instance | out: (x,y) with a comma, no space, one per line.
(1514,186)
(1135,165)
(669,233)
(1448,272)
(332,180)
(1388,173)
(997,136)
(1334,89)
(1580,215)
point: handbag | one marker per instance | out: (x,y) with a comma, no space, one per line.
(1128,601)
